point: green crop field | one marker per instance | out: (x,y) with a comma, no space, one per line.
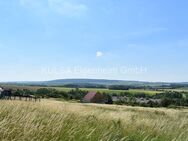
(177,90)
(133,91)
(62,121)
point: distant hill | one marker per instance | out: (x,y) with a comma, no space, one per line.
(88,81)
(97,82)
(105,82)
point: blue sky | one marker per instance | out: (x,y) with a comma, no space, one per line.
(143,40)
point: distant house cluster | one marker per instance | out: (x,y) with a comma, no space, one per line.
(137,100)
(96,97)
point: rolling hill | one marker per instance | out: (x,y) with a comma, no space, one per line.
(97,83)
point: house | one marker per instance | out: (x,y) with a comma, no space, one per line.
(95,97)
(1,91)
(115,98)
(145,100)
(119,98)
(5,93)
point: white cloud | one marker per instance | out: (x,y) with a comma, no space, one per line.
(61,7)
(99,54)
(67,7)
(35,6)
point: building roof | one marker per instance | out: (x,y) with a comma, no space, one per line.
(89,96)
(1,89)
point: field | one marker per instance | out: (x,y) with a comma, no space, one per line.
(55,120)
(133,91)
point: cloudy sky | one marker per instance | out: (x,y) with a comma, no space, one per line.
(108,39)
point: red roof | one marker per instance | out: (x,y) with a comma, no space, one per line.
(89,96)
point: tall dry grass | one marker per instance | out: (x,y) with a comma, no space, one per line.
(53,120)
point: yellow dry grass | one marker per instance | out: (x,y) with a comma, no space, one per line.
(55,120)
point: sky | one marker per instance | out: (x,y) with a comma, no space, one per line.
(145,40)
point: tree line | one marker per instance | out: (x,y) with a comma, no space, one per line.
(166,98)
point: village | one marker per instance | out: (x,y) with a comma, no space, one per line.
(87,97)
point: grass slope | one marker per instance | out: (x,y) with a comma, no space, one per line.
(54,120)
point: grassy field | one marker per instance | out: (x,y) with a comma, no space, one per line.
(133,91)
(56,121)
(178,90)
(183,89)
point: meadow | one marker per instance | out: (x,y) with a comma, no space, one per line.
(56,121)
(132,91)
